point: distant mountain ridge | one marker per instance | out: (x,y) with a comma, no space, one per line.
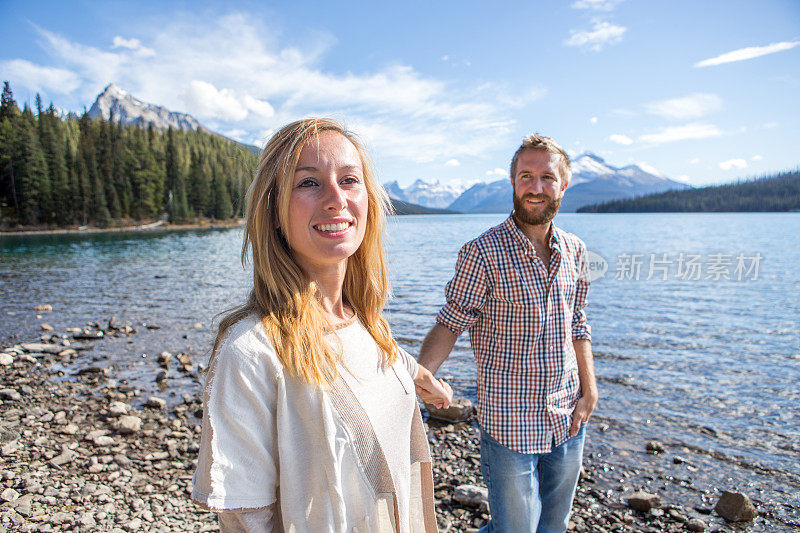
(593,180)
(425,193)
(129,110)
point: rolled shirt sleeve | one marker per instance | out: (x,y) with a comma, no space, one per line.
(581,330)
(465,294)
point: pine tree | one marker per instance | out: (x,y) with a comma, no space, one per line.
(222,201)
(200,193)
(31,169)
(51,138)
(8,106)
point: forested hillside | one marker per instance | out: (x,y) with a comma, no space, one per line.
(58,171)
(780,192)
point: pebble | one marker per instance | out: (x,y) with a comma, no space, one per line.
(118,408)
(460,410)
(6,359)
(103,440)
(735,507)
(156,403)
(695,524)
(10,394)
(643,501)
(9,495)
(654,447)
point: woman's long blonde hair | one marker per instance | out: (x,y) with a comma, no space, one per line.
(283,295)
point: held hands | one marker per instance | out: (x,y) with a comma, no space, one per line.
(583,410)
(433,391)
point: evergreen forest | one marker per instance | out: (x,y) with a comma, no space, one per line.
(779,192)
(57,172)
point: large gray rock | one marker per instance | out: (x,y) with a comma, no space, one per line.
(459,411)
(471,495)
(118,408)
(128,424)
(735,507)
(37,347)
(643,501)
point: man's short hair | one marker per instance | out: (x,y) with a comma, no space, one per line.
(545,144)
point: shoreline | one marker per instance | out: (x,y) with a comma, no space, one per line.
(84,451)
(141,228)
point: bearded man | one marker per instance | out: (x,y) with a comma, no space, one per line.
(520,289)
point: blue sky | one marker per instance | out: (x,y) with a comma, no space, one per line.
(703,92)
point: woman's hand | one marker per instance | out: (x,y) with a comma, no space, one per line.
(433,391)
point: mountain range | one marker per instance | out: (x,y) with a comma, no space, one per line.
(593,180)
(128,109)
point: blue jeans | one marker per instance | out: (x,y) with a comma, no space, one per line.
(530,492)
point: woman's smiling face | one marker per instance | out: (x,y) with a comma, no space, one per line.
(328,203)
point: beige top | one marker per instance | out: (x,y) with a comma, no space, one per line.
(313,457)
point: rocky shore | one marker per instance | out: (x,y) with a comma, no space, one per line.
(82,451)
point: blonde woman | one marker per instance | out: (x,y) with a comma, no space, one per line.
(310,420)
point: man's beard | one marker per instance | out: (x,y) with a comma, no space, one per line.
(543,216)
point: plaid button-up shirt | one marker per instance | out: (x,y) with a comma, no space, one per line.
(522,318)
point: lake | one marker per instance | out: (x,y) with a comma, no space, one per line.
(695,317)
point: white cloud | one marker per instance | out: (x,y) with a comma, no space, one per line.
(593,120)
(620,139)
(231,69)
(260,107)
(747,53)
(205,101)
(681,133)
(236,134)
(687,107)
(39,78)
(595,5)
(130,44)
(683,178)
(694,160)
(602,33)
(757,158)
(495,172)
(733,163)
(452,163)
(134,45)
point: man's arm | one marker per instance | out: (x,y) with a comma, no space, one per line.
(436,347)
(589,395)
(434,350)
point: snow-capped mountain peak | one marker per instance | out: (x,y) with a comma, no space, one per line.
(130,110)
(425,192)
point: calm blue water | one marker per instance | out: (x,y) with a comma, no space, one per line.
(713,363)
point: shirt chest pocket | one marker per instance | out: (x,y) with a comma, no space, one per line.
(510,286)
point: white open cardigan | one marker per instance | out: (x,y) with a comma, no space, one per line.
(271,440)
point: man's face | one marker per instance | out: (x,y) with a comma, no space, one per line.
(538,187)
